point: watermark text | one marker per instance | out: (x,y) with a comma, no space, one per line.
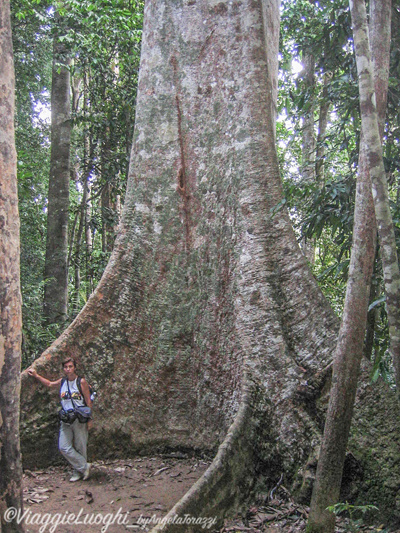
(49,522)
(205,522)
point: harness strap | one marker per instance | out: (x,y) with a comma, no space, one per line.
(70,395)
(78,384)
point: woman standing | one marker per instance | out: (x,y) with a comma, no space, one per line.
(73,436)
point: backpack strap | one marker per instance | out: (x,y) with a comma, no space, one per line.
(61,386)
(78,384)
(70,396)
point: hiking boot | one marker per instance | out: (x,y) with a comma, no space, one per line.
(76,476)
(86,474)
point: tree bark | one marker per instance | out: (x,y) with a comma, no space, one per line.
(347,360)
(370,128)
(109,218)
(89,155)
(373,314)
(322,125)
(83,226)
(10,295)
(350,345)
(201,274)
(108,222)
(308,165)
(78,242)
(207,328)
(380,38)
(56,263)
(308,128)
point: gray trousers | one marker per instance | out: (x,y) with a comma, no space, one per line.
(72,444)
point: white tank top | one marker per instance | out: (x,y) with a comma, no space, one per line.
(76,395)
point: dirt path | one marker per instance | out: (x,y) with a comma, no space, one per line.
(133,492)
(128,491)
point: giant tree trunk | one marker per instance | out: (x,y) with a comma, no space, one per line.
(56,263)
(207,328)
(10,296)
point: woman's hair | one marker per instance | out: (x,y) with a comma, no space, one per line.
(69,360)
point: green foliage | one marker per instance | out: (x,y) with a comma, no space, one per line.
(322,210)
(352,511)
(32,59)
(37,335)
(346,507)
(103,38)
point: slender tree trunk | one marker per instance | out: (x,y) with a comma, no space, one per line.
(10,295)
(107,218)
(379,33)
(308,129)
(76,92)
(71,239)
(77,251)
(350,345)
(106,193)
(86,203)
(83,247)
(322,125)
(371,132)
(346,366)
(308,139)
(88,242)
(380,37)
(83,228)
(373,314)
(56,263)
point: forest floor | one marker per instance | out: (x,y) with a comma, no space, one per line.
(135,493)
(129,491)
(285,516)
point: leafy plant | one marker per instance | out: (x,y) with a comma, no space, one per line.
(352,510)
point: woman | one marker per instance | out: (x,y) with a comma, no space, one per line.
(74,435)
